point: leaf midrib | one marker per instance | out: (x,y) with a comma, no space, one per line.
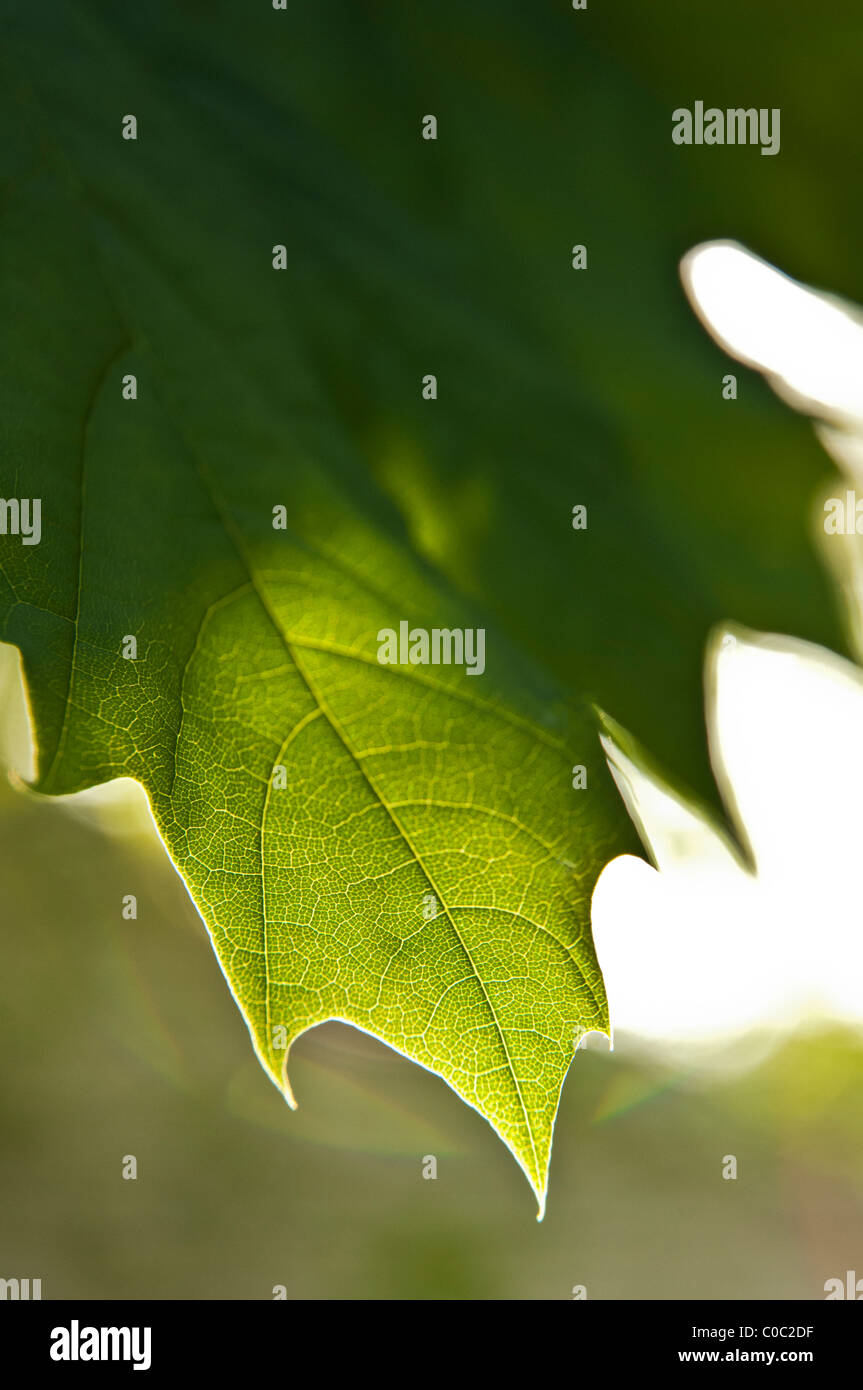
(238,543)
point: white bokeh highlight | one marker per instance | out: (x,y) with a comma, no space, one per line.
(699,952)
(810,345)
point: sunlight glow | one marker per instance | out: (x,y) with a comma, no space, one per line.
(809,344)
(698,950)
